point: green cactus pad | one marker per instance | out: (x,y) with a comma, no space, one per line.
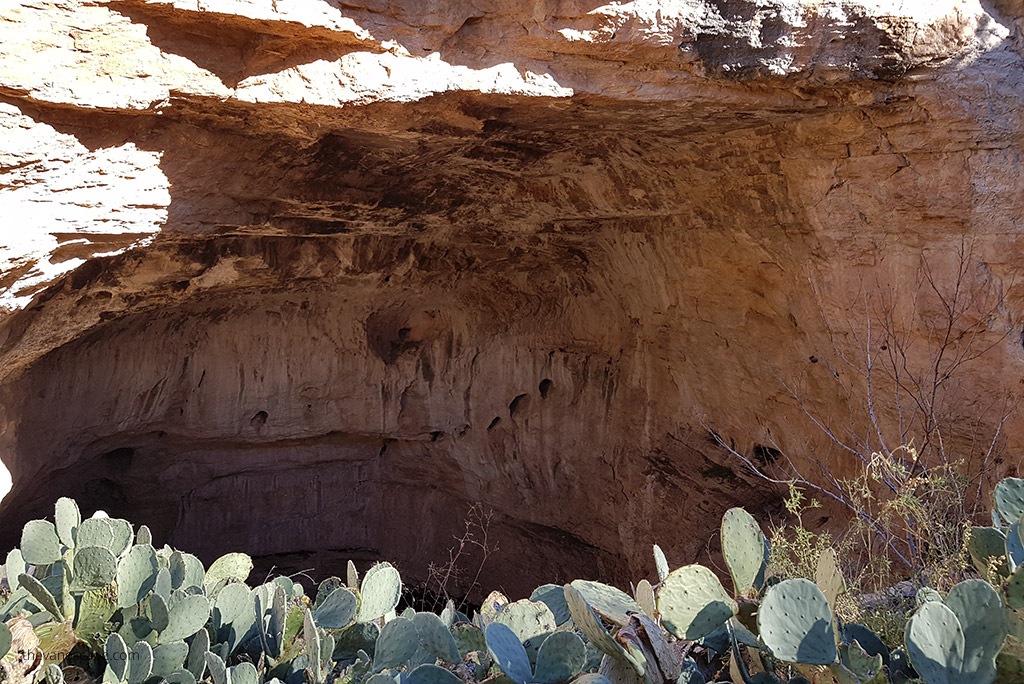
(985,544)
(14,566)
(591,678)
(743,548)
(590,624)
(935,643)
(121,535)
(186,571)
(311,637)
(136,575)
(527,618)
(560,658)
(829,577)
(644,594)
(67,518)
(95,566)
(6,638)
(795,622)
(185,618)
(436,639)
(432,674)
(859,662)
(286,583)
(381,678)
(326,588)
(179,676)
(233,566)
(39,543)
(1009,497)
(468,638)
(660,564)
(610,603)
(138,629)
(94,532)
(693,603)
(491,606)
(116,653)
(243,673)
(195,662)
(980,611)
(338,610)
(234,615)
(352,576)
(41,594)
(169,657)
(163,583)
(144,535)
(397,643)
(867,639)
(159,614)
(553,596)
(380,593)
(508,653)
(271,607)
(140,663)
(1015,589)
(218,670)
(362,636)
(448,614)
(94,609)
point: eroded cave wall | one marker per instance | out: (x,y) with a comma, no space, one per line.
(316,331)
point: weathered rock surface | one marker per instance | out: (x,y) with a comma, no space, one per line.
(313,278)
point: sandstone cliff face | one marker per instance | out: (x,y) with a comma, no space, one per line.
(313,278)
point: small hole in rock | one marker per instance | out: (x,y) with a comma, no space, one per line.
(260,419)
(766,455)
(518,404)
(494,423)
(545,387)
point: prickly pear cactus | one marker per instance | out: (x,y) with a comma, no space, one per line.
(527,618)
(436,639)
(589,623)
(743,545)
(338,610)
(610,603)
(397,643)
(1009,497)
(795,622)
(660,563)
(988,545)
(508,652)
(553,596)
(957,641)
(560,658)
(380,593)
(693,603)
(39,543)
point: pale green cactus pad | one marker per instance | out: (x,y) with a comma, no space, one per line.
(795,622)
(693,603)
(743,547)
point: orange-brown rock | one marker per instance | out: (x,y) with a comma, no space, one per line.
(313,279)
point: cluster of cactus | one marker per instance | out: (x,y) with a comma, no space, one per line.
(97,594)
